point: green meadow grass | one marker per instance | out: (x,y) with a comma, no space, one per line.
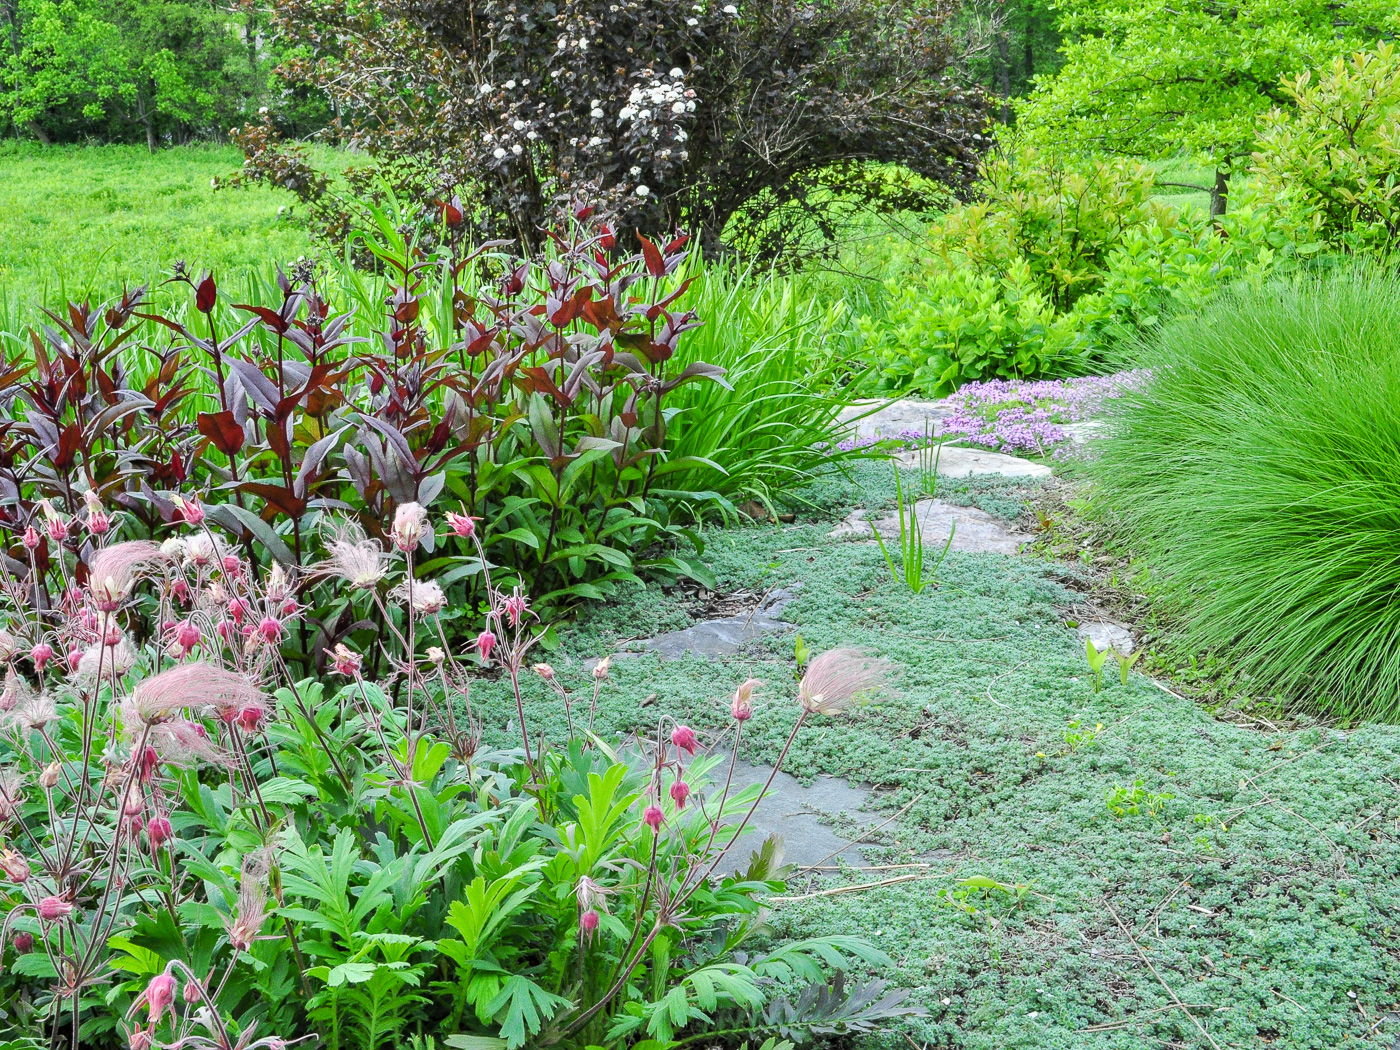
(81,221)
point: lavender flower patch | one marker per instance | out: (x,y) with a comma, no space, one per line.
(1023,416)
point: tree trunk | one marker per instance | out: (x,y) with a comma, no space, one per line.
(151,142)
(39,133)
(1219,194)
(1004,76)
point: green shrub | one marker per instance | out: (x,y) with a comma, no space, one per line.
(1336,154)
(1257,474)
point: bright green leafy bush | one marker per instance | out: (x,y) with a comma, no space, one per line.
(1257,476)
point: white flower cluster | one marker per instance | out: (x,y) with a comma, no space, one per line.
(669,95)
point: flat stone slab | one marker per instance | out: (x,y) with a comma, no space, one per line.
(1084,430)
(955,462)
(893,418)
(720,637)
(1107,635)
(976,530)
(795,813)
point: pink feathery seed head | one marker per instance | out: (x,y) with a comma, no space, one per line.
(51,909)
(191,511)
(410,526)
(23,942)
(41,654)
(271,629)
(180,742)
(14,865)
(836,677)
(590,895)
(588,921)
(461,524)
(680,791)
(159,831)
(112,637)
(159,995)
(252,901)
(485,642)
(194,684)
(684,738)
(11,794)
(31,538)
(113,571)
(353,557)
(346,660)
(652,817)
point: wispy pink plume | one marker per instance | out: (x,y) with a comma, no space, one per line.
(190,685)
(180,742)
(836,677)
(113,571)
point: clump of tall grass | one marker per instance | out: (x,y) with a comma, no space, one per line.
(1257,474)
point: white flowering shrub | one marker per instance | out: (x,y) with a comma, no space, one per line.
(663,114)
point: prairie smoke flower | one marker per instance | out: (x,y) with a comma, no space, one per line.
(48,778)
(159,995)
(9,645)
(192,992)
(10,795)
(270,628)
(278,584)
(485,642)
(250,717)
(202,550)
(346,660)
(98,523)
(75,659)
(113,571)
(175,549)
(190,509)
(15,691)
(118,660)
(651,816)
(680,791)
(194,684)
(353,557)
(159,831)
(590,895)
(410,526)
(187,636)
(836,677)
(31,539)
(588,922)
(14,865)
(741,706)
(51,909)
(232,566)
(23,942)
(54,524)
(684,738)
(41,654)
(461,524)
(180,742)
(141,1039)
(436,656)
(544,671)
(514,607)
(601,668)
(252,901)
(428,597)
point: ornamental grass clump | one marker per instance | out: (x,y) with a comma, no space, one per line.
(201,849)
(1257,475)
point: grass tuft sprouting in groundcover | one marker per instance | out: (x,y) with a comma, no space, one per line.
(1257,474)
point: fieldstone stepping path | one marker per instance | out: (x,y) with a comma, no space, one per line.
(895,417)
(955,462)
(720,637)
(1107,635)
(794,813)
(976,529)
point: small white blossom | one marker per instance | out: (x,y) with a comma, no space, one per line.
(498,153)
(597,103)
(519,125)
(595,141)
(583,44)
(531,136)
(596,113)
(690,106)
(644,114)
(634,171)
(678,107)
(635,96)
(692,21)
(643,191)
(484,89)
(676,71)
(510,85)
(486,136)
(730,9)
(680,135)
(628,112)
(562,42)
(517,149)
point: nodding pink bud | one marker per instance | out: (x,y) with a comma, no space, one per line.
(48,777)
(680,791)
(41,654)
(461,524)
(98,523)
(271,629)
(289,607)
(88,621)
(52,909)
(160,994)
(191,992)
(187,635)
(31,538)
(57,529)
(515,608)
(237,608)
(250,717)
(135,802)
(652,816)
(485,642)
(226,629)
(190,509)
(75,657)
(14,865)
(149,760)
(347,661)
(181,590)
(684,738)
(159,831)
(741,707)
(23,942)
(112,637)
(140,1039)
(232,565)
(544,671)
(588,921)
